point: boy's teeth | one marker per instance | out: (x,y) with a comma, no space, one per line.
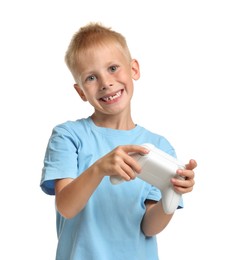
(118,94)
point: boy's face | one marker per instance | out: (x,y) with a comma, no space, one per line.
(105,79)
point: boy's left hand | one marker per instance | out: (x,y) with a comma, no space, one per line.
(186,185)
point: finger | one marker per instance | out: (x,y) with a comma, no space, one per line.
(191,165)
(125,152)
(127,172)
(124,166)
(183,186)
(135,149)
(132,163)
(183,190)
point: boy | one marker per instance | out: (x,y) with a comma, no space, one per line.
(95,219)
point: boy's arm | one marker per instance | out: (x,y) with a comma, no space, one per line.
(155,219)
(73,194)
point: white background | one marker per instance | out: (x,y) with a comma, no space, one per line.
(183,50)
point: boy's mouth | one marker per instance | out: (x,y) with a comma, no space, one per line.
(112,97)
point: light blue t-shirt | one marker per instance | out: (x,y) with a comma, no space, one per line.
(109,226)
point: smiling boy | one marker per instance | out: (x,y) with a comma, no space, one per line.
(95,219)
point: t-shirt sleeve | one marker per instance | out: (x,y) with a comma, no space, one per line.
(60,159)
(154,194)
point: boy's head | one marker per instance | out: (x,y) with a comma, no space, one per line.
(89,37)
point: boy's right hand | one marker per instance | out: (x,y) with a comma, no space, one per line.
(118,162)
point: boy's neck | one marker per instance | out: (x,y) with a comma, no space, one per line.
(113,121)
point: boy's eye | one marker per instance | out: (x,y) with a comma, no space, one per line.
(90,78)
(113,68)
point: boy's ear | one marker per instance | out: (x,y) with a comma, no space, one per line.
(135,69)
(80,92)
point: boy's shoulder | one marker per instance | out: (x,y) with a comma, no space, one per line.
(71,125)
(72,129)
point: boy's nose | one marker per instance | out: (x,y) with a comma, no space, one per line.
(105,86)
(106,82)
(102,88)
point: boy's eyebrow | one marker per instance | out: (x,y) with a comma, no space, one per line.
(89,72)
(108,64)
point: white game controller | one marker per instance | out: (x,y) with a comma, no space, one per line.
(158,168)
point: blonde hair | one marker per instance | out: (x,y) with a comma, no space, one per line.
(89,36)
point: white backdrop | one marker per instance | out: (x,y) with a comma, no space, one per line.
(182,48)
